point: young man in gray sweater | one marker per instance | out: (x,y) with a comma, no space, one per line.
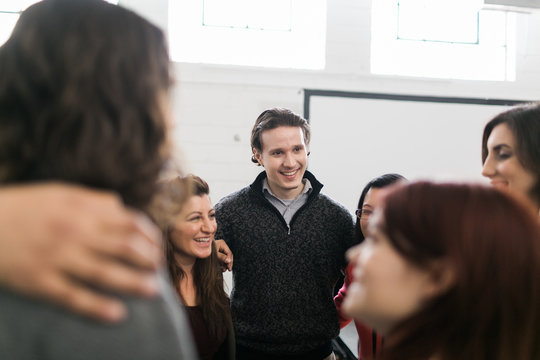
(289,242)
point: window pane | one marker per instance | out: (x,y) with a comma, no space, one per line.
(9,14)
(492,56)
(493,27)
(242,31)
(7,23)
(248,14)
(437,20)
(15,5)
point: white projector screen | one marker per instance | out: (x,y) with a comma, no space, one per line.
(356,139)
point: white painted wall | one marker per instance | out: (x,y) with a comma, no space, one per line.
(216,105)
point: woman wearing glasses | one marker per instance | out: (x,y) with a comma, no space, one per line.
(369,342)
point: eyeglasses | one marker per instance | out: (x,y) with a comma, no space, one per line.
(363,213)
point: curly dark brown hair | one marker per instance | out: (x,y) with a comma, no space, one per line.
(81,91)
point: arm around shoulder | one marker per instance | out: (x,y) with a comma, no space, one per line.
(52,235)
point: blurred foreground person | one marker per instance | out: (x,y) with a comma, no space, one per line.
(450,271)
(84,100)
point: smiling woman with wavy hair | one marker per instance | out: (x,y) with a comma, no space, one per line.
(185,214)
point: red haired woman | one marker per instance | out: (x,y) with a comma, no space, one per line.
(450,271)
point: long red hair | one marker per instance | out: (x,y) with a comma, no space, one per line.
(492,242)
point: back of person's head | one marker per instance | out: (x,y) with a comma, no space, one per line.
(274,118)
(491,243)
(524,123)
(379,182)
(82,91)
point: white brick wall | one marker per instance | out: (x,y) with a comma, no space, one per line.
(215,105)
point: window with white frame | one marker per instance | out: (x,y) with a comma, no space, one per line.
(9,14)
(10,10)
(442,39)
(267,33)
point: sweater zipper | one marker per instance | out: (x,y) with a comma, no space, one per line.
(309,200)
(278,213)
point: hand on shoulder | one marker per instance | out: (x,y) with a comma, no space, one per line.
(225,255)
(59,241)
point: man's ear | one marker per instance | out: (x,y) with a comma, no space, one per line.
(257,156)
(442,277)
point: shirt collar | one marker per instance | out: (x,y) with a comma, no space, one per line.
(307,187)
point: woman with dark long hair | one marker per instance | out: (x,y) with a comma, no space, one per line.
(369,342)
(185,214)
(511,152)
(450,271)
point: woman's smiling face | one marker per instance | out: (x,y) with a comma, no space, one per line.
(194,229)
(503,166)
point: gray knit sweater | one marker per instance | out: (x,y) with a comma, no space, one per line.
(284,278)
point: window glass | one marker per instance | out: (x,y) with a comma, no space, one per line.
(248,14)
(7,23)
(9,14)
(264,33)
(442,39)
(435,20)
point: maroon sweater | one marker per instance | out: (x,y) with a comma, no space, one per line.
(208,346)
